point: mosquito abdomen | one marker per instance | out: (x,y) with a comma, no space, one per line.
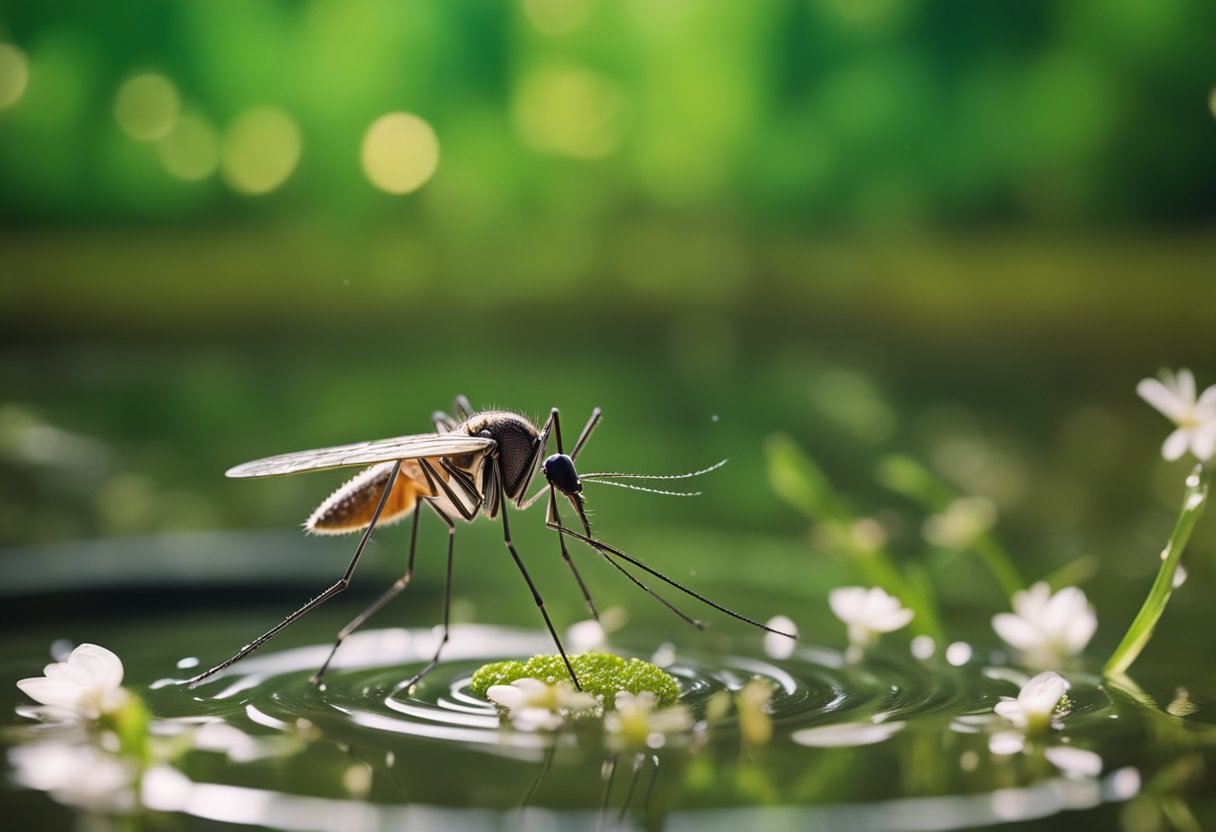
(350,507)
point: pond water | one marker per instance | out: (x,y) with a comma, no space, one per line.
(888,742)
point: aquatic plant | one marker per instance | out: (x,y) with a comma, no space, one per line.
(601,674)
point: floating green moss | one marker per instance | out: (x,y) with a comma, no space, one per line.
(600,674)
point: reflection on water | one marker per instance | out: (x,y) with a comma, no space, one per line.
(890,742)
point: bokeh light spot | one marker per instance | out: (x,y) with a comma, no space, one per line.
(400,153)
(191,150)
(260,150)
(556,17)
(14,74)
(571,111)
(1211,101)
(147,106)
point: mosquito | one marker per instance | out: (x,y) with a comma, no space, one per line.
(475,463)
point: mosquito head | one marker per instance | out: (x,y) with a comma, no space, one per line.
(560,472)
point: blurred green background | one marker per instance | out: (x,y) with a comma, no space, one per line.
(957,231)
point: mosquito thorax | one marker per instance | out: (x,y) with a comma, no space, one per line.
(515,438)
(560,472)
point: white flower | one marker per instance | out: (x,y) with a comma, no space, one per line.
(637,722)
(868,613)
(78,775)
(1174,395)
(591,636)
(1036,704)
(777,646)
(534,705)
(1047,628)
(86,686)
(960,523)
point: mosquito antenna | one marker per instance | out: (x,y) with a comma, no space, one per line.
(649,490)
(612,550)
(605,474)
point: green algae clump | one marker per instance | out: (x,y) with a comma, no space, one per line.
(600,674)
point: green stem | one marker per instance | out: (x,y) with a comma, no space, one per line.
(911,479)
(1141,630)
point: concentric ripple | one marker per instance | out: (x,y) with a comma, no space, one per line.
(929,724)
(814,687)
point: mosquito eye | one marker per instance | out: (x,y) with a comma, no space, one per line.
(559,470)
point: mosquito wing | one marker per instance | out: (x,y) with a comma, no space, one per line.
(364,453)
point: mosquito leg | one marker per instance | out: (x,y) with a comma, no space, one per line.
(608,772)
(544,769)
(540,603)
(436,483)
(389,594)
(443,422)
(329,592)
(462,407)
(554,517)
(654,776)
(633,782)
(600,546)
(586,434)
(595,613)
(447,602)
(700,625)
(534,463)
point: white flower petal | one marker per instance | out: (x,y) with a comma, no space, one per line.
(1203,441)
(1079,631)
(1162,398)
(893,620)
(1042,693)
(1063,607)
(847,602)
(1175,445)
(1206,405)
(51,691)
(1184,386)
(102,665)
(1016,631)
(1008,708)
(508,696)
(1030,603)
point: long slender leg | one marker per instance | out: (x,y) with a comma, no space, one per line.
(700,625)
(553,424)
(437,482)
(612,550)
(595,613)
(329,592)
(443,422)
(608,772)
(447,603)
(633,782)
(462,407)
(654,775)
(389,594)
(540,603)
(544,769)
(555,418)
(586,434)
(534,463)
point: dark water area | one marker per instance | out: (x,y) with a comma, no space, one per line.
(891,741)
